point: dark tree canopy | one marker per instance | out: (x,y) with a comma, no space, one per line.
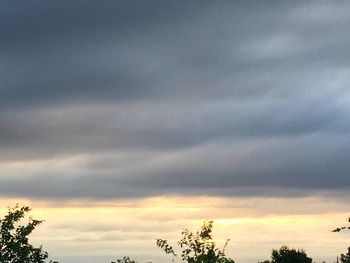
(345,258)
(287,255)
(14,243)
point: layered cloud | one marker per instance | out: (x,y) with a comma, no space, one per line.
(129,99)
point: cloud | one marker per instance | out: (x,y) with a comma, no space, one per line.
(136,99)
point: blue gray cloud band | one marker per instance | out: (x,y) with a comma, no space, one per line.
(152,97)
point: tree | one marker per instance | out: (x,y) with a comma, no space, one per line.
(344,258)
(197,247)
(14,243)
(338,229)
(287,255)
(125,260)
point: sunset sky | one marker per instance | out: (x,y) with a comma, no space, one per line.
(128,120)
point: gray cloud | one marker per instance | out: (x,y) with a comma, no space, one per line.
(191,97)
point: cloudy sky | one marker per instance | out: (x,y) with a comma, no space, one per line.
(124,121)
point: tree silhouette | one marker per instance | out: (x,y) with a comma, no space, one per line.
(197,247)
(287,255)
(125,260)
(14,244)
(344,258)
(338,229)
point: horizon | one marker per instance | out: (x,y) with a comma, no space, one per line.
(126,121)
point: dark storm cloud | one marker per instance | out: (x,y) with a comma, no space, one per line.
(85,51)
(157,97)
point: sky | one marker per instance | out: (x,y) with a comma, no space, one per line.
(125,121)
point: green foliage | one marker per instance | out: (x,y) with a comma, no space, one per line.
(14,244)
(287,255)
(197,247)
(345,258)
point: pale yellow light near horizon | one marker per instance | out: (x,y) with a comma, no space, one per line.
(253,225)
